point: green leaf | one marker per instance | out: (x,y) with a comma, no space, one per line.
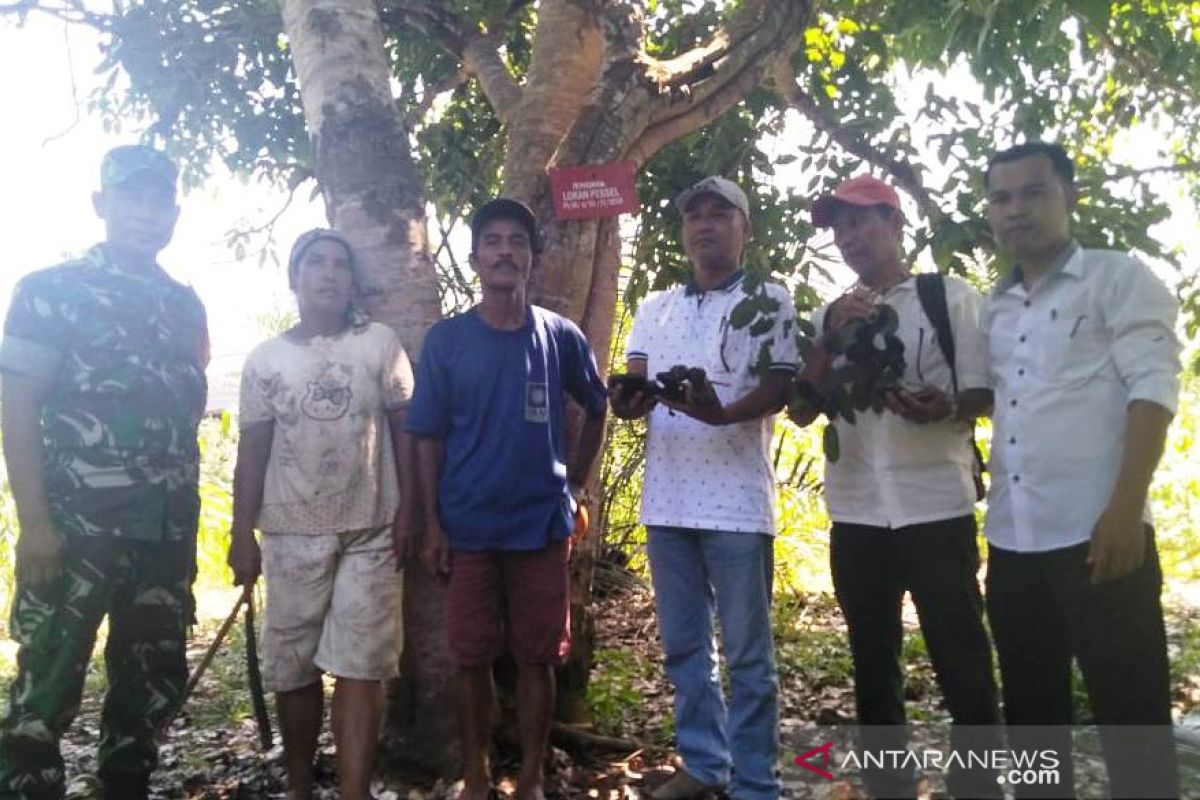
(743,313)
(889,320)
(846,407)
(763,363)
(767,304)
(831,444)
(761,325)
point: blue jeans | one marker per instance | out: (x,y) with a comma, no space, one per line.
(694,573)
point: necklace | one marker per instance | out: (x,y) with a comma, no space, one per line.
(874,294)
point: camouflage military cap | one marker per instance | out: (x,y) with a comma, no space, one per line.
(122,163)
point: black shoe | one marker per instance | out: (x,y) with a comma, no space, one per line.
(120,786)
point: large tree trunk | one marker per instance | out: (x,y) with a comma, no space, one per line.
(590,96)
(628,113)
(564,68)
(373,194)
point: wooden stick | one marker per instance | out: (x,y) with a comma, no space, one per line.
(245,597)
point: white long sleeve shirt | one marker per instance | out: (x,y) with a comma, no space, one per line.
(892,472)
(1066,359)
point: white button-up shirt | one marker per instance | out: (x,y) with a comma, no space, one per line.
(892,472)
(704,476)
(1067,357)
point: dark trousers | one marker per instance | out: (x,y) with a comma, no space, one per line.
(145,590)
(937,563)
(1044,610)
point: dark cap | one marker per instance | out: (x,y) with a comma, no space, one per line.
(505,208)
(307,240)
(122,163)
(861,190)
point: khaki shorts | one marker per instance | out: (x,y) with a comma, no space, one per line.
(333,605)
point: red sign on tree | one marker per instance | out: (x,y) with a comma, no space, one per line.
(594,190)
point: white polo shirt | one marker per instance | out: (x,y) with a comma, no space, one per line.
(704,476)
(893,472)
(1067,358)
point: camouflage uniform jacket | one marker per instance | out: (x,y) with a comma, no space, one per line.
(125,353)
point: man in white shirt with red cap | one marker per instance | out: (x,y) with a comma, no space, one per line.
(901,492)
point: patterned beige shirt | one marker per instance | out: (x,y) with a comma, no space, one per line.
(331,467)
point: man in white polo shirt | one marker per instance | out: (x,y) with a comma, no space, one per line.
(708,498)
(901,494)
(1085,362)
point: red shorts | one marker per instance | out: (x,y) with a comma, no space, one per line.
(522,593)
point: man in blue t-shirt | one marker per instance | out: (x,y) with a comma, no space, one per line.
(488,414)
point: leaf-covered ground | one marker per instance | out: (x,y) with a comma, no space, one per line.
(212,750)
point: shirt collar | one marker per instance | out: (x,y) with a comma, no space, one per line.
(907,284)
(1060,265)
(691,289)
(98,257)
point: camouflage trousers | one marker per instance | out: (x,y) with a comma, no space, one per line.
(145,589)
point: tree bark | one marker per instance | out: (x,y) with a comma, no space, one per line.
(373,195)
(597,108)
(565,63)
(590,96)
(371,188)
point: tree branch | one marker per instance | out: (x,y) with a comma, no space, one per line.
(482,59)
(700,62)
(1144,66)
(1124,173)
(760,31)
(74,89)
(783,82)
(618,108)
(695,64)
(415,111)
(477,51)
(73,11)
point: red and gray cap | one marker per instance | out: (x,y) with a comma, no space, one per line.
(122,163)
(861,190)
(723,188)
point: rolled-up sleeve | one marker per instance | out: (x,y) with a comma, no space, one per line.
(34,334)
(781,337)
(1140,317)
(637,348)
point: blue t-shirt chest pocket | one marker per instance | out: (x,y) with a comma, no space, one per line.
(537,386)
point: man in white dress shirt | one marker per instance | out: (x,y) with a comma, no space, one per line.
(1084,363)
(901,494)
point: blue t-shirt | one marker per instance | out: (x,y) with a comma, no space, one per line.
(496,399)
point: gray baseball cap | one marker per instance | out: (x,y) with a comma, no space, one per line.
(723,188)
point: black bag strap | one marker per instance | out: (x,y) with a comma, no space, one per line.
(931,291)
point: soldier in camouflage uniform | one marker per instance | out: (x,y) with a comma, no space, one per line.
(102,367)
